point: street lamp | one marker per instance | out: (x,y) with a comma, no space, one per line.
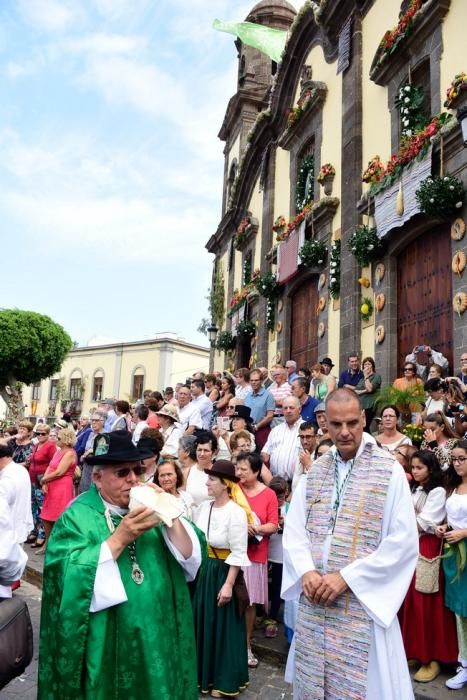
(212,333)
(462,119)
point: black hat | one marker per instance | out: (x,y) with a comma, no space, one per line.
(148,447)
(242,412)
(223,469)
(327,361)
(114,448)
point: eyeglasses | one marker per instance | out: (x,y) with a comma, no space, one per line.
(37,433)
(124,472)
(408,369)
(399,452)
(96,420)
(461,460)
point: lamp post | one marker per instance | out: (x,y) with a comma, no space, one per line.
(212,335)
(462,119)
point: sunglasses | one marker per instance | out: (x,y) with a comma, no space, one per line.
(125,471)
(37,433)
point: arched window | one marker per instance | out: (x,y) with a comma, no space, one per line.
(137,384)
(76,385)
(97,390)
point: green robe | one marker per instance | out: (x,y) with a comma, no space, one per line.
(143,648)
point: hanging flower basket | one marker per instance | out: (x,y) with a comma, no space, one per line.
(366,309)
(326,177)
(335,270)
(246,329)
(458,85)
(266,285)
(313,253)
(441,197)
(365,245)
(225,341)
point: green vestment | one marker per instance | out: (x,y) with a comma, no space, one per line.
(141,649)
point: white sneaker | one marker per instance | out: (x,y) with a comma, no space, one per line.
(459,680)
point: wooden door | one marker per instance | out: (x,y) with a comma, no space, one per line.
(304,326)
(424,295)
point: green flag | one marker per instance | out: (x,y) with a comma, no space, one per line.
(266,39)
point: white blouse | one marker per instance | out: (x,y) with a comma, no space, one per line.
(196,485)
(456,507)
(228,529)
(431,509)
(186,502)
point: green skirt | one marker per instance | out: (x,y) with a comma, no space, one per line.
(455,595)
(220,635)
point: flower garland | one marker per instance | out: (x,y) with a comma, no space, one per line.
(267,286)
(414,147)
(313,253)
(243,230)
(326,170)
(305,176)
(366,309)
(225,341)
(454,90)
(246,328)
(239,297)
(292,225)
(440,196)
(335,270)
(280,225)
(409,101)
(365,245)
(296,113)
(393,37)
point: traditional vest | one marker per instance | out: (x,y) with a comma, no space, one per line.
(333,642)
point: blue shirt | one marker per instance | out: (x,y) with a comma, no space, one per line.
(348,377)
(307,411)
(260,403)
(292,377)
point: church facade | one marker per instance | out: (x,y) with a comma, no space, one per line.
(329,241)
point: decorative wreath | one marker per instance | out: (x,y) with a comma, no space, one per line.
(458,229)
(305,177)
(380,334)
(321,304)
(380,301)
(321,329)
(321,280)
(366,309)
(458,262)
(459,302)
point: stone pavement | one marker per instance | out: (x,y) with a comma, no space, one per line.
(266,682)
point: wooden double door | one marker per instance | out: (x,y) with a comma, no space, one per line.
(304,324)
(424,295)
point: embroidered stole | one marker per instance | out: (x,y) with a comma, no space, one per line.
(332,643)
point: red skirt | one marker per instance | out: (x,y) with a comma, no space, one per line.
(428,627)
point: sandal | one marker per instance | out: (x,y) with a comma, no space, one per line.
(252,660)
(31,538)
(271,629)
(37,544)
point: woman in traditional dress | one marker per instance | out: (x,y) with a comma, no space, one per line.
(168,418)
(41,457)
(439,437)
(170,478)
(219,616)
(57,482)
(263,503)
(428,628)
(391,438)
(455,536)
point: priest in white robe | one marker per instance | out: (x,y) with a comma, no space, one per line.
(350,550)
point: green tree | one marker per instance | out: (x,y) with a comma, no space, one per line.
(32,347)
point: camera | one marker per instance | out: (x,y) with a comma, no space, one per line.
(420,348)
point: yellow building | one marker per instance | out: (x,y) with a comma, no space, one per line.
(358,79)
(117,370)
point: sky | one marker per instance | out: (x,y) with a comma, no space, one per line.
(110,166)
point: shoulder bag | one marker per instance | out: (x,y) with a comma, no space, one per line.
(16,640)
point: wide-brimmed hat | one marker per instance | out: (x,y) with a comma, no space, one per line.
(224,470)
(242,412)
(61,423)
(114,448)
(320,408)
(327,361)
(169,410)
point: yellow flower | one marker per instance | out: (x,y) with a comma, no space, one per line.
(365,309)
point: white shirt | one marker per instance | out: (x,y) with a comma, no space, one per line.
(432,506)
(283,448)
(12,556)
(138,430)
(171,439)
(456,508)
(189,416)
(15,485)
(241,392)
(204,406)
(196,485)
(228,529)
(379,581)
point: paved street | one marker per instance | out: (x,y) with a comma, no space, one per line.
(266,682)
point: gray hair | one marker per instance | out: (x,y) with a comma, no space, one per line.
(99,413)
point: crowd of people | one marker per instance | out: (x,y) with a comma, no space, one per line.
(292,500)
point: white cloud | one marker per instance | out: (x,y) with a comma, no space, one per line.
(101,43)
(51,15)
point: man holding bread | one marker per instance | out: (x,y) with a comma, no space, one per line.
(116,613)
